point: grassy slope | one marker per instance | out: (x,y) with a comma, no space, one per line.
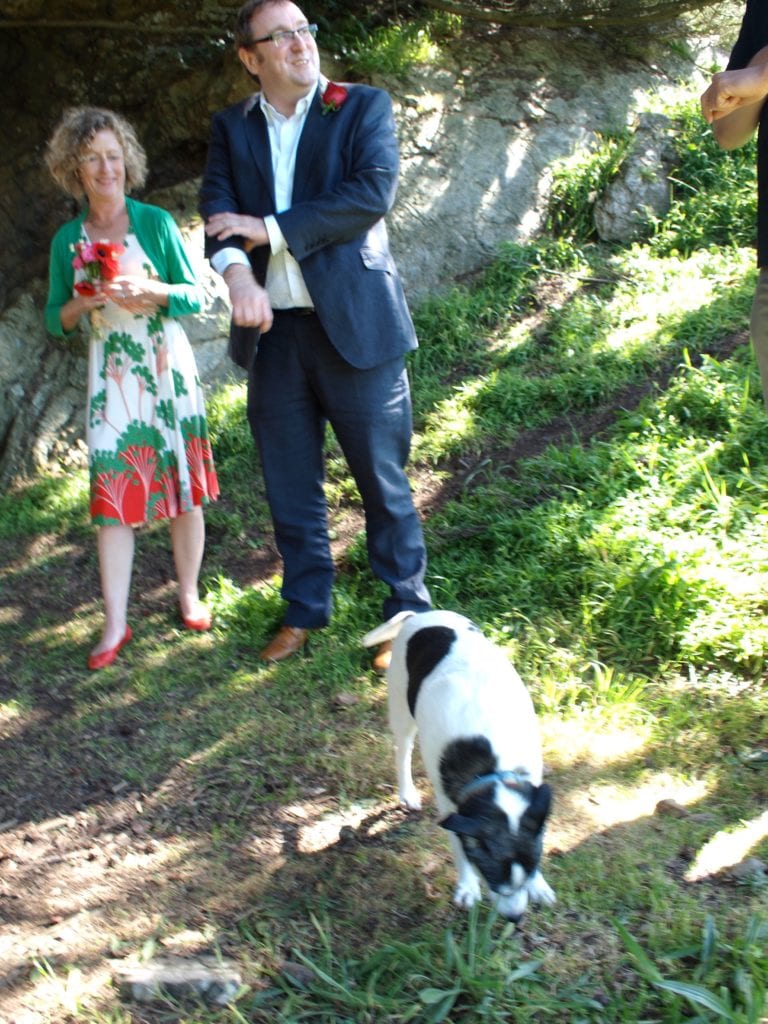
(624,572)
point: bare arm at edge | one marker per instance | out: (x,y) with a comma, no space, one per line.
(734,99)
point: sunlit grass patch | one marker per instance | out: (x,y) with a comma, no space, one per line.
(47,503)
(579,353)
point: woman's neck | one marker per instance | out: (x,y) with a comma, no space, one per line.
(108,219)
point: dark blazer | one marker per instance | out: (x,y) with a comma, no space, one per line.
(344,185)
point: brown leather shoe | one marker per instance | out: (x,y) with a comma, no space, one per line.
(287,641)
(382,658)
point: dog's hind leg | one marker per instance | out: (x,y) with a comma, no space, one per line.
(406,787)
(404,729)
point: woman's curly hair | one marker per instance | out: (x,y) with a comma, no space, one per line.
(71,138)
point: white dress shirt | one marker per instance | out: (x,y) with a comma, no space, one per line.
(285,283)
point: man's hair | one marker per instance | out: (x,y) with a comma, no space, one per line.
(243,21)
(72,136)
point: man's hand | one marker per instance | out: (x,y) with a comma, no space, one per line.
(730,90)
(250,302)
(225,225)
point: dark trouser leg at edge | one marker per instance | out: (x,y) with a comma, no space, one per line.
(759,330)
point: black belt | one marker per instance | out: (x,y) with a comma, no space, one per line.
(297,310)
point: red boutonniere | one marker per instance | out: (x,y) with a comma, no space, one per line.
(333,97)
(98,262)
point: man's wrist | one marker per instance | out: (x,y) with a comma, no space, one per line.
(237,273)
(229,257)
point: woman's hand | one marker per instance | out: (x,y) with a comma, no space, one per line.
(79,304)
(135,294)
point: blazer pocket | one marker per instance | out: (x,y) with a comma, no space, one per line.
(376,260)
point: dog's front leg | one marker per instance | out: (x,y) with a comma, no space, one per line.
(539,889)
(408,793)
(467,892)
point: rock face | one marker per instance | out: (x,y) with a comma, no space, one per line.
(478,138)
(641,192)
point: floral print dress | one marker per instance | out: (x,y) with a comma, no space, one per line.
(149,452)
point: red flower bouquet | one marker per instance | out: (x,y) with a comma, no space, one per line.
(333,97)
(99,262)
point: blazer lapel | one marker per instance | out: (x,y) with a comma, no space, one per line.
(255,127)
(311,136)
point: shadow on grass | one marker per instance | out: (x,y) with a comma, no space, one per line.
(189,785)
(237,807)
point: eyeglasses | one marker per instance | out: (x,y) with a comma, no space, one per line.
(283,38)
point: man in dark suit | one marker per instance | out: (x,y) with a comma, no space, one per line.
(298,180)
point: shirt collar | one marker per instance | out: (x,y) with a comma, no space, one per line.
(275,117)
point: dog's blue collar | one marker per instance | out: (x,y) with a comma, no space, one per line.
(512,780)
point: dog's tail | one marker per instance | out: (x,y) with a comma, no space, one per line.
(386,631)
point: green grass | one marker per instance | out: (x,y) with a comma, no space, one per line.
(726,978)
(622,568)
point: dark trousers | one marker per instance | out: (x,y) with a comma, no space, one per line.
(759,329)
(297,384)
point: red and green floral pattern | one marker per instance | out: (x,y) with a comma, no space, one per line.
(149,450)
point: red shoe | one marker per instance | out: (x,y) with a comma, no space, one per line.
(201,624)
(97,661)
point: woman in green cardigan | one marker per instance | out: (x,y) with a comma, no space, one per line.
(122,264)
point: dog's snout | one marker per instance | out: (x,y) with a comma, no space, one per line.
(515,918)
(511,906)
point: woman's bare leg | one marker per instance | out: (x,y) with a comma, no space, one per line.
(188,541)
(115,546)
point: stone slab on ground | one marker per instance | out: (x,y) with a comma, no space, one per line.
(204,977)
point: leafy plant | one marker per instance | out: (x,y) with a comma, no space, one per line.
(470,977)
(578,181)
(393,49)
(714,191)
(729,979)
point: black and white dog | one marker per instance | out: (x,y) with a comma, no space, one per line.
(480,744)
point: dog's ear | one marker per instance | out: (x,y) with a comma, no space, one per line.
(538,810)
(461,824)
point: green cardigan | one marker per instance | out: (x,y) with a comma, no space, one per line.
(159,238)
